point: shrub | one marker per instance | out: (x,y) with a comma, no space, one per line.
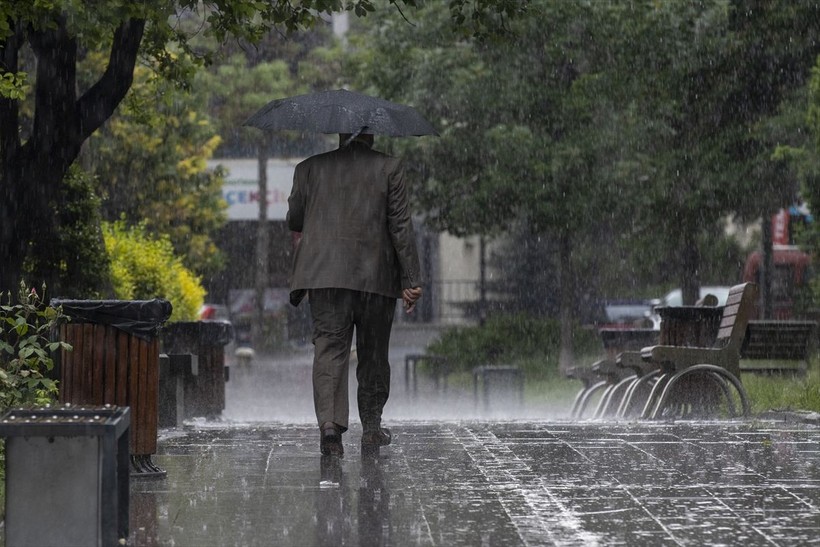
(26,349)
(504,339)
(144,267)
(72,260)
(25,356)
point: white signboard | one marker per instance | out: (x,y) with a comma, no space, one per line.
(241,188)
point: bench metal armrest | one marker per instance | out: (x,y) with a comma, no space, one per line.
(676,358)
(632,360)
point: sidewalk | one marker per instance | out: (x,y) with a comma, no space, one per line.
(474,483)
(458,474)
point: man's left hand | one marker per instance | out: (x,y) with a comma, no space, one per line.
(409,298)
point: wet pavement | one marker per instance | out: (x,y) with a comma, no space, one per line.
(463,473)
(487,484)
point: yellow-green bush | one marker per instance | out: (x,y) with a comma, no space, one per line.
(144,267)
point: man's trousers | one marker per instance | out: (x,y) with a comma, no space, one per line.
(336,312)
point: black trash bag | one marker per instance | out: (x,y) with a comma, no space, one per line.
(188,336)
(142,318)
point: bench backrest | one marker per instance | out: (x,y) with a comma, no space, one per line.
(736,315)
(788,340)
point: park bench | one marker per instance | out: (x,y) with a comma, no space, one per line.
(704,326)
(694,380)
(778,347)
(603,375)
(592,382)
(617,341)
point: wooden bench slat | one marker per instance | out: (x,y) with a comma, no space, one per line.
(97,365)
(734,298)
(778,346)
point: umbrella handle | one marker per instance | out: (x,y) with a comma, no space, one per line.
(352,137)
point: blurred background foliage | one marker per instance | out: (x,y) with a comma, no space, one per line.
(603,147)
(144,266)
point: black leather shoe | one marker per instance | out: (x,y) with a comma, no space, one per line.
(375,438)
(330,443)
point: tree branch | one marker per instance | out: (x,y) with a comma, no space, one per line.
(100,101)
(54,92)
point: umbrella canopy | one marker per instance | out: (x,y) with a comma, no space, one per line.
(341,111)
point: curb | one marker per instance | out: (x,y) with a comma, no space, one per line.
(792,416)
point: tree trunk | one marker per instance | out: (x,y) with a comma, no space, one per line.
(482,281)
(31,173)
(11,248)
(261,276)
(566,356)
(766,266)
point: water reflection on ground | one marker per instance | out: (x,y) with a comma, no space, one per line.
(490,483)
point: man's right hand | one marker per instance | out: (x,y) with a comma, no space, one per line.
(409,298)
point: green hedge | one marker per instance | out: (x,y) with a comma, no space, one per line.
(504,339)
(144,267)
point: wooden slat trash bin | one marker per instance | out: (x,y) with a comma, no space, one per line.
(115,360)
(205,376)
(689,326)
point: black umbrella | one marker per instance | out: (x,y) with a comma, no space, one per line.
(341,111)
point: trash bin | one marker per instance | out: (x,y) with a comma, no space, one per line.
(204,379)
(173,369)
(115,360)
(504,383)
(689,325)
(67,473)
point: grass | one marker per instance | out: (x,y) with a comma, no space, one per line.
(784,392)
(531,344)
(766,392)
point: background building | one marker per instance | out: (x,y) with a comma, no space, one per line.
(451,266)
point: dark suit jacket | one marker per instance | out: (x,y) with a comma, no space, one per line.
(351,207)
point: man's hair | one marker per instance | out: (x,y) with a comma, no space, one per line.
(365,138)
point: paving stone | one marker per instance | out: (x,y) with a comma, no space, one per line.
(485,483)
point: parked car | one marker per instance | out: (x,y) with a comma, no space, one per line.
(626,313)
(214,312)
(675,296)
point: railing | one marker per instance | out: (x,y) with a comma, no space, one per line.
(452,300)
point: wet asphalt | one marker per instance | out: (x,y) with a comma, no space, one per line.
(470,471)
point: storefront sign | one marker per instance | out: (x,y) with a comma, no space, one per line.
(241,188)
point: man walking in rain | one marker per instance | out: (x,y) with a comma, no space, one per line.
(356,256)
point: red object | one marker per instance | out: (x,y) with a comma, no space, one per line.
(780,228)
(790,269)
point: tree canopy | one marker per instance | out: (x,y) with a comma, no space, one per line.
(628,129)
(644,116)
(38,145)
